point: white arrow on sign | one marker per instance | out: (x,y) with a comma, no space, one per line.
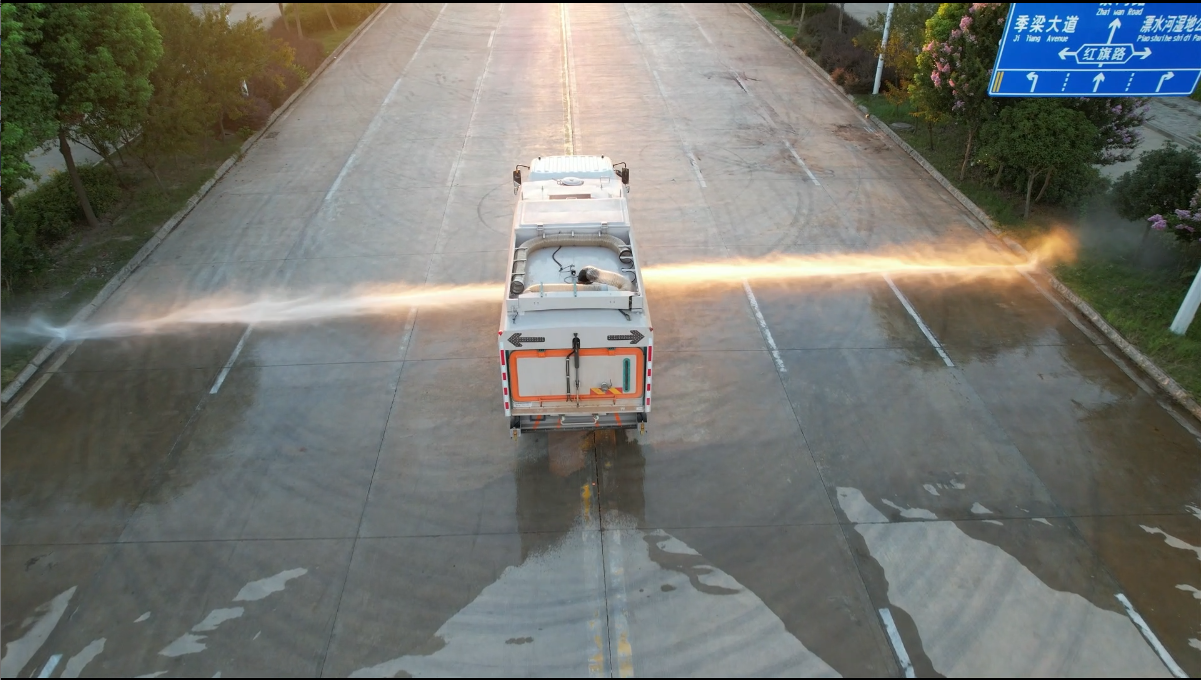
(1033,78)
(1167,76)
(1144,54)
(1065,53)
(1099,78)
(1113,27)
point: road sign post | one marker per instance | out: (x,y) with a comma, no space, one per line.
(1099,50)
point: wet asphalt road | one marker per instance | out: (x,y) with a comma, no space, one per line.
(348,500)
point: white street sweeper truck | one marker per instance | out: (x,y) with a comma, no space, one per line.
(575,333)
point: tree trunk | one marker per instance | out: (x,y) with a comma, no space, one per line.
(335,26)
(8,203)
(793,19)
(299,29)
(76,182)
(840,13)
(802,21)
(283,14)
(967,152)
(996,181)
(930,129)
(1030,175)
(221,123)
(1042,191)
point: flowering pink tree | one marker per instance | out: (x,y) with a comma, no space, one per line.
(1184,223)
(961,46)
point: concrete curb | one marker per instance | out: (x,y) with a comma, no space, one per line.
(1163,379)
(167,227)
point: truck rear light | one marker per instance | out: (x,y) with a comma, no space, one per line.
(648,401)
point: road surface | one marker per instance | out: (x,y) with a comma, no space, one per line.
(948,471)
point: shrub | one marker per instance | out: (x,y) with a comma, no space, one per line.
(308,53)
(314,20)
(48,214)
(275,84)
(254,115)
(835,51)
(1164,180)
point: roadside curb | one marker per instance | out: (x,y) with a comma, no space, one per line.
(167,227)
(1164,380)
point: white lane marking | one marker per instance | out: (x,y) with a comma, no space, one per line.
(771,342)
(1043,520)
(374,126)
(39,383)
(1189,589)
(475,101)
(696,168)
(142,618)
(18,652)
(568,82)
(1143,628)
(920,324)
(894,638)
(51,664)
(1004,620)
(406,335)
(76,663)
(698,24)
(1172,540)
(257,590)
(232,358)
(994,521)
(216,618)
(910,513)
(184,644)
(801,162)
(978,509)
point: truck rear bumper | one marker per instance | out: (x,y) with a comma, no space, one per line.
(600,421)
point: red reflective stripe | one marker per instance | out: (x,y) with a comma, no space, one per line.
(648,401)
(504,376)
(648,372)
(648,387)
(506,406)
(502,357)
(648,352)
(506,391)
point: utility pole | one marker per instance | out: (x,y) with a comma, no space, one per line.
(883,49)
(1188,308)
(840,13)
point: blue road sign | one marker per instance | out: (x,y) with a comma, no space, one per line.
(1107,49)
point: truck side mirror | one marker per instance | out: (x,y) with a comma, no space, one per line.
(516,176)
(625,175)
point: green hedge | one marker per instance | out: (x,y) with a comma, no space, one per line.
(46,216)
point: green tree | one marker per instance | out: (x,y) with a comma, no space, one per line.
(233,54)
(28,110)
(954,69)
(179,111)
(1039,136)
(906,36)
(1165,179)
(99,57)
